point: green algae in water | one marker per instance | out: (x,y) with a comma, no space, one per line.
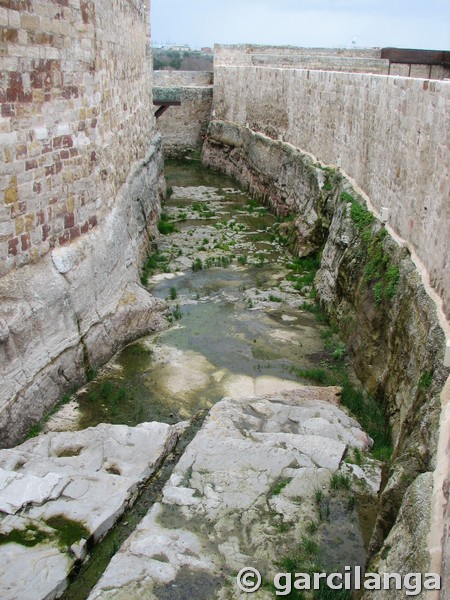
(29,537)
(111,401)
(142,390)
(126,399)
(68,531)
(134,359)
(137,394)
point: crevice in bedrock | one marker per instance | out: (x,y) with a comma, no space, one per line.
(63,491)
(85,575)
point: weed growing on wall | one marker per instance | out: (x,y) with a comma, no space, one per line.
(425,380)
(379,272)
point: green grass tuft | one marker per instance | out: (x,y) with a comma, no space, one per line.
(197,265)
(279,486)
(154,262)
(360,216)
(316,374)
(426,380)
(340,481)
(300,264)
(164,227)
(176,313)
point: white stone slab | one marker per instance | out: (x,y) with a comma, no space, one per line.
(221,505)
(87,476)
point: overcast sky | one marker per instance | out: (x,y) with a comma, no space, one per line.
(401,23)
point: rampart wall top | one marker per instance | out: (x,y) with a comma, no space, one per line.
(384,61)
(241,53)
(182,78)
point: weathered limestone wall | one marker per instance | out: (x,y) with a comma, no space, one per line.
(290,57)
(397,339)
(240,54)
(80,186)
(389,134)
(352,60)
(183,127)
(183,78)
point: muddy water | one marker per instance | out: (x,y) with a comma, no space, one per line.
(235,329)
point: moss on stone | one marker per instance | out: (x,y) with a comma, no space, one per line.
(29,537)
(379,272)
(68,531)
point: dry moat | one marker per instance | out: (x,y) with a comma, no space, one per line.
(275,476)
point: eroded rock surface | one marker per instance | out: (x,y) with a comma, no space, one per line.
(241,495)
(409,532)
(60,489)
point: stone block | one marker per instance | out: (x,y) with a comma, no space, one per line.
(14,18)
(4,17)
(30,22)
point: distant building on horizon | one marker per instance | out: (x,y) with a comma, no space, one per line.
(177,48)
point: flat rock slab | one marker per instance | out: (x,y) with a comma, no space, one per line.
(242,492)
(72,484)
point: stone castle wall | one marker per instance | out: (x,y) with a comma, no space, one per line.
(366,60)
(183,127)
(183,78)
(388,133)
(81,184)
(75,92)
